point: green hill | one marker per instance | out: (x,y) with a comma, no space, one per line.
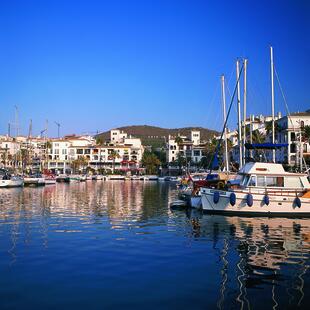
(155,136)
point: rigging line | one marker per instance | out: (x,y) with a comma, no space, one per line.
(225,123)
(284,98)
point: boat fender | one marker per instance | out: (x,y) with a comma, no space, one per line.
(216,197)
(249,200)
(232,199)
(297,202)
(266,200)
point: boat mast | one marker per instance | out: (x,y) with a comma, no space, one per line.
(272,102)
(224,122)
(239,115)
(245,61)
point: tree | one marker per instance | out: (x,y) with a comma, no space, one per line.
(306,133)
(268,127)
(113,154)
(150,162)
(178,140)
(99,140)
(257,136)
(181,161)
(78,163)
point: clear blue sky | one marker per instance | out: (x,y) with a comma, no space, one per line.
(94,65)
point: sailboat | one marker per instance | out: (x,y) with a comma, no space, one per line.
(262,188)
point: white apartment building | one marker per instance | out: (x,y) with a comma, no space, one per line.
(290,132)
(123,153)
(191,147)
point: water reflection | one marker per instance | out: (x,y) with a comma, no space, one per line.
(258,254)
(246,263)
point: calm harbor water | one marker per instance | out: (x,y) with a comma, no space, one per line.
(118,245)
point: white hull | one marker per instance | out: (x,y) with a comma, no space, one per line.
(50,181)
(196,202)
(11,183)
(34,181)
(278,204)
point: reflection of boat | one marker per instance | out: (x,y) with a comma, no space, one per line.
(265,188)
(150,178)
(49,180)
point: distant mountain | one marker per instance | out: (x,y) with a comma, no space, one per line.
(151,135)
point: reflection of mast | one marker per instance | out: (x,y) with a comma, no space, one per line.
(273,294)
(224,274)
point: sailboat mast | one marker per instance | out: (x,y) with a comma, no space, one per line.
(244,106)
(239,115)
(224,122)
(272,102)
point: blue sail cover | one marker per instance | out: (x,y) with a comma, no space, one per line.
(267,146)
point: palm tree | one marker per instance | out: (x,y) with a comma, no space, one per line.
(257,136)
(113,154)
(178,140)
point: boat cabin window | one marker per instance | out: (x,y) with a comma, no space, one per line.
(275,181)
(252,181)
(260,181)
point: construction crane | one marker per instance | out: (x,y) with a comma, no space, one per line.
(58,125)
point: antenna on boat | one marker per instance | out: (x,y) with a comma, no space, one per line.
(224,118)
(272,101)
(245,61)
(239,114)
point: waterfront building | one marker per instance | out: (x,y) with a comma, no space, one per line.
(190,147)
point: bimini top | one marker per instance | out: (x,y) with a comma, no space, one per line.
(263,168)
(265,146)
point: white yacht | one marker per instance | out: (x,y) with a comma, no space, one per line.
(6,180)
(262,188)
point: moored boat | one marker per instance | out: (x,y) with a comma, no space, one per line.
(263,189)
(11,181)
(63,178)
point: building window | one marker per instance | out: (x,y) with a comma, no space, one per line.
(87,151)
(64,152)
(302,124)
(79,151)
(293,136)
(56,151)
(305,148)
(293,148)
(196,153)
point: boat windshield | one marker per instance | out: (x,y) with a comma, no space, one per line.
(245,180)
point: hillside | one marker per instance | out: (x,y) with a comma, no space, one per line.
(151,135)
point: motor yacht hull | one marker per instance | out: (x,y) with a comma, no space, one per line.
(279,203)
